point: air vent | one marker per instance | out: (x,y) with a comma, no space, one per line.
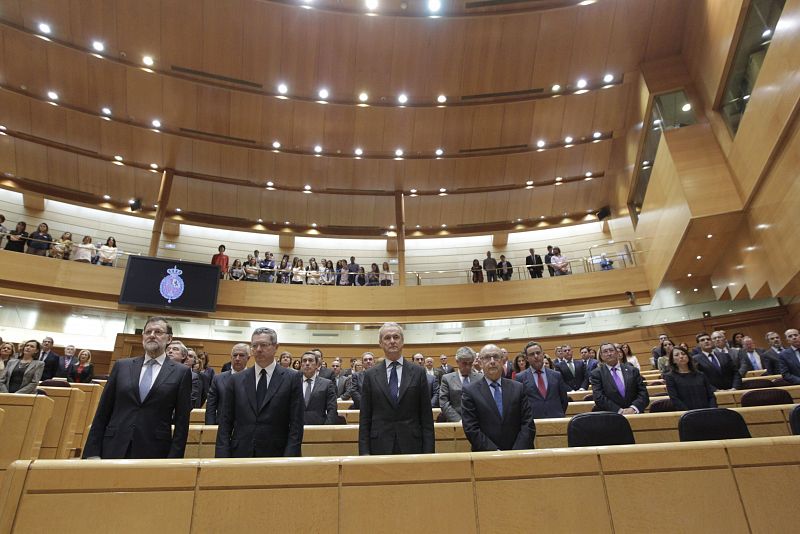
(492,149)
(565,316)
(504,94)
(448,332)
(572,323)
(217,77)
(228,331)
(356,191)
(540,4)
(219,136)
(324,334)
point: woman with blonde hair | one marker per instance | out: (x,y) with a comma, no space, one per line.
(83,371)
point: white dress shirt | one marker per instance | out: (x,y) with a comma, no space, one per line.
(156,367)
(270,369)
(399,370)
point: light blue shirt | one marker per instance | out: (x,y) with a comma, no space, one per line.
(399,370)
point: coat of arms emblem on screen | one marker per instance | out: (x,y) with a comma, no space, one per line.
(172,286)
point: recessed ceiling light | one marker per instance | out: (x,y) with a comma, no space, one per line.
(107,197)
(147,60)
(156,123)
(323,93)
(540,143)
(541,216)
(45,28)
(418,226)
(260,220)
(178,210)
(568,139)
(441,99)
(762,226)
(444,226)
(307,187)
(402,98)
(558,178)
(282,89)
(689,275)
(313,225)
(434,5)
(713,287)
(588,174)
(131,201)
(597,135)
(657,122)
(529,182)
(608,78)
(442,190)
(580,84)
(286,222)
(106,111)
(439,151)
(412,191)
(372,5)
(699,257)
(556,88)
(118,158)
(750,248)
(98,46)
(52,95)
(276,144)
(695,290)
(398,152)
(586,2)
(358,152)
(709,236)
(678,292)
(686,107)
(732,283)
(270,184)
(317,149)
(363,97)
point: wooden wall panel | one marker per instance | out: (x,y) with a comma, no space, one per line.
(222,37)
(185,20)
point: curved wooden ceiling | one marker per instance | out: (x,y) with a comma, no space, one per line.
(213,87)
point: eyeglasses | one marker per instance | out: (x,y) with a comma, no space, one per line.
(154,332)
(488,357)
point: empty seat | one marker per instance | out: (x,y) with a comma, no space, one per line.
(599,428)
(662,405)
(712,423)
(757,383)
(794,420)
(766,397)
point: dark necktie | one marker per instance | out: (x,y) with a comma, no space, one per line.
(714,360)
(308,391)
(498,398)
(394,383)
(261,389)
(540,384)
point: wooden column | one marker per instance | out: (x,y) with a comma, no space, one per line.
(400,224)
(161,211)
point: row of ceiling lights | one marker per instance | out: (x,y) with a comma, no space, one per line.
(581,85)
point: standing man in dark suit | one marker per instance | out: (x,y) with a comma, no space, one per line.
(547,258)
(534,263)
(494,410)
(396,415)
(433,384)
(618,387)
(452,385)
(443,365)
(339,378)
(178,353)
(718,367)
(50,359)
(751,359)
(262,413)
(352,271)
(789,358)
(324,372)
(573,371)
(319,395)
(775,347)
(65,361)
(508,366)
(145,405)
(240,355)
(547,392)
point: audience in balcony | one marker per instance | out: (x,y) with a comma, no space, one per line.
(23,374)
(490,266)
(62,247)
(108,252)
(605,263)
(559,263)
(548,260)
(17,237)
(374,276)
(352,270)
(236,272)
(687,387)
(504,268)
(82,371)
(39,241)
(251,270)
(221,259)
(84,251)
(3,229)
(387,276)
(298,272)
(477,272)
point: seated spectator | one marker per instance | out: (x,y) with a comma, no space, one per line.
(387,276)
(559,263)
(84,251)
(520,364)
(477,272)
(688,388)
(39,242)
(17,238)
(298,271)
(251,270)
(236,272)
(285,359)
(62,248)
(628,357)
(82,371)
(361,277)
(374,276)
(504,269)
(22,375)
(618,387)
(108,252)
(663,361)
(312,273)
(221,259)
(605,263)
(296,365)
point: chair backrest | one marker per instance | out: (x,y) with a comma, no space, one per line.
(712,423)
(588,397)
(55,383)
(794,420)
(662,405)
(780,382)
(599,428)
(757,383)
(658,382)
(341,420)
(766,397)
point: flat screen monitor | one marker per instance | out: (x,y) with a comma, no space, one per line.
(170,284)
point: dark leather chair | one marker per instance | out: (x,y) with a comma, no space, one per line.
(340,420)
(588,397)
(794,420)
(54,383)
(712,423)
(766,397)
(661,406)
(599,428)
(757,383)
(780,382)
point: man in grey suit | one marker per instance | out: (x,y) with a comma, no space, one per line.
(339,379)
(789,358)
(775,348)
(240,355)
(353,388)
(65,361)
(396,415)
(319,395)
(453,383)
(433,384)
(753,359)
(546,389)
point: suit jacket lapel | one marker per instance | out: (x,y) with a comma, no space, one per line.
(167,369)
(277,377)
(250,387)
(506,394)
(488,397)
(136,370)
(382,382)
(405,380)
